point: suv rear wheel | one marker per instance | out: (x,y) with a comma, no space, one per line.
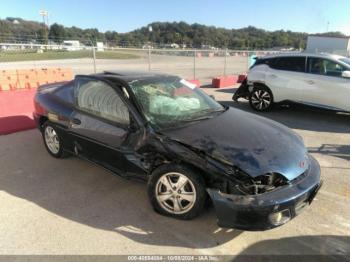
(261,98)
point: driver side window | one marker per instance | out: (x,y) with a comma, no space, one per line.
(100,99)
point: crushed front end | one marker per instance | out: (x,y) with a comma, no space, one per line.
(265,206)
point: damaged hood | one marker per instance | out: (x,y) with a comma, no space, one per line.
(254,144)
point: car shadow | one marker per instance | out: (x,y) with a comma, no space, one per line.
(302,117)
(306,248)
(84,193)
(11,124)
(340,151)
(227,90)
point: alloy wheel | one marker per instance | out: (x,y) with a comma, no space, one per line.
(261,99)
(52,140)
(175,193)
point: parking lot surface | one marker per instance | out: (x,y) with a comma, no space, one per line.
(50,206)
(206,67)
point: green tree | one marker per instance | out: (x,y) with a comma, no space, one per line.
(5,32)
(42,36)
(57,33)
(193,35)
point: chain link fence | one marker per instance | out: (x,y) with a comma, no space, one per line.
(188,63)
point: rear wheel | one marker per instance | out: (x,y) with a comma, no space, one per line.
(261,98)
(177,191)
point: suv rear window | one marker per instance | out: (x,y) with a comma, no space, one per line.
(295,64)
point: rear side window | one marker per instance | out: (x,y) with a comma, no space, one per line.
(100,99)
(294,64)
(326,67)
(262,61)
(66,93)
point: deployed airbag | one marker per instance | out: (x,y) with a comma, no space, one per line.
(164,105)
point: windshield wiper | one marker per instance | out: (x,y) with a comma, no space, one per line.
(196,119)
(202,115)
(209,111)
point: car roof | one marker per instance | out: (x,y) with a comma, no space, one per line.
(130,75)
(321,55)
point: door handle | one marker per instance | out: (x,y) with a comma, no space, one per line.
(310,82)
(76,121)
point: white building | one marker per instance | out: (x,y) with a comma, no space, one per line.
(100,46)
(333,45)
(71,45)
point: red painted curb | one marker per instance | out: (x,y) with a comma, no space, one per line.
(241,78)
(16,108)
(224,81)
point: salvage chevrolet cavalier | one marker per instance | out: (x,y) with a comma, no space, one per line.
(189,148)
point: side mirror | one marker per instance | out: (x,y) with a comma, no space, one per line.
(346,74)
(213,97)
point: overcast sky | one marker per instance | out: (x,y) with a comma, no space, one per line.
(310,16)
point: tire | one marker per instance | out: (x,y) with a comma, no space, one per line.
(261,99)
(164,192)
(52,141)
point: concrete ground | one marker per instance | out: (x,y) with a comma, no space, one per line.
(50,206)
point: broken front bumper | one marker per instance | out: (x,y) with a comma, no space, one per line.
(267,210)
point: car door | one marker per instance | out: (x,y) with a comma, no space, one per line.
(284,77)
(324,85)
(100,125)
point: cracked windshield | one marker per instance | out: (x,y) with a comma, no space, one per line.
(168,101)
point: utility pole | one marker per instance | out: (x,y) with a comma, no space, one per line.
(194,63)
(225,61)
(45,15)
(93,54)
(150,30)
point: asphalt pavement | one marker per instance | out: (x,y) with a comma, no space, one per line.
(69,206)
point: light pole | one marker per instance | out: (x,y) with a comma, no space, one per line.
(150,29)
(45,14)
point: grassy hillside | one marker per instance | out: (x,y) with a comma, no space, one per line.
(191,35)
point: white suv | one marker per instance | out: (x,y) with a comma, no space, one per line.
(321,80)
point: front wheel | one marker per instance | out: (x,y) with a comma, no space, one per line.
(261,99)
(177,191)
